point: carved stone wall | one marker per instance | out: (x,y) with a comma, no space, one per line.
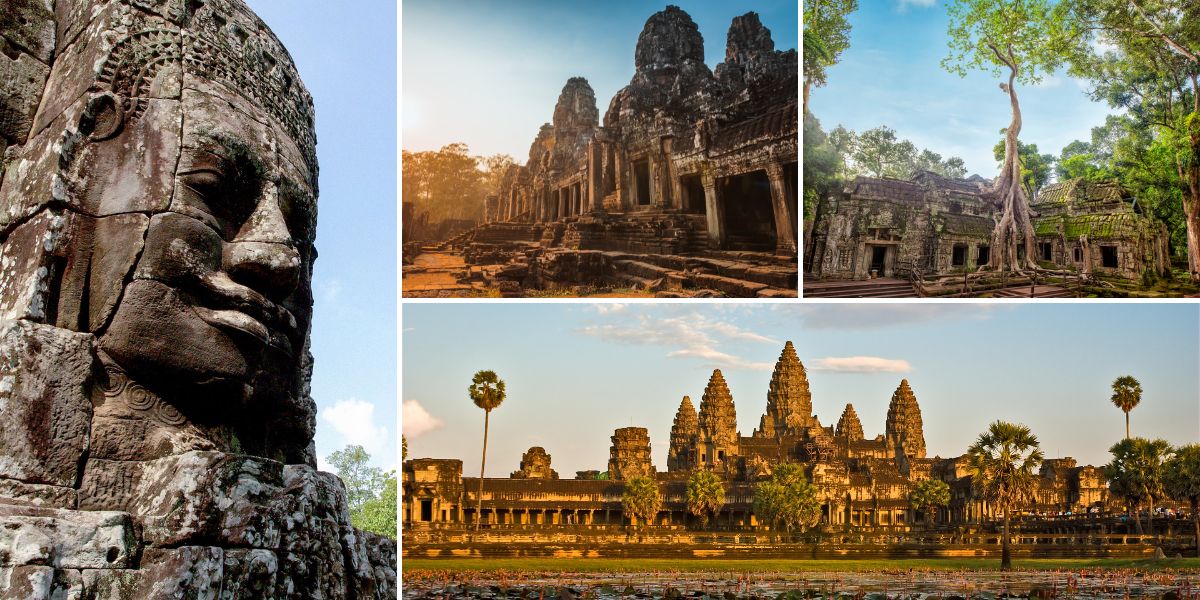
(685,433)
(535,464)
(629,455)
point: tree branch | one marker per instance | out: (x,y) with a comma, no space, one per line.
(1162,34)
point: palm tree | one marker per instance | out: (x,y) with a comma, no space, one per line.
(642,499)
(487,390)
(1003,464)
(1127,393)
(705,495)
(787,500)
(1136,473)
(1182,479)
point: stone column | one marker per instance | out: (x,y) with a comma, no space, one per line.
(785,242)
(672,190)
(713,205)
(595,172)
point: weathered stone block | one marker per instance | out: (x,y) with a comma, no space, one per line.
(45,412)
(21,82)
(29,24)
(34,494)
(67,539)
(187,572)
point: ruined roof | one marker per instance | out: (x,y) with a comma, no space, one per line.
(775,123)
(969,225)
(970,186)
(1094,226)
(1078,192)
(886,188)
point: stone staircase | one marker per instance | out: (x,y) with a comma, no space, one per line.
(1039,291)
(870,288)
(743,277)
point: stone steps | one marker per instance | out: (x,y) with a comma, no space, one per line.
(872,288)
(1041,291)
(733,278)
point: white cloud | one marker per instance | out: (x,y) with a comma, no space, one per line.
(871,315)
(605,308)
(861,364)
(417,421)
(354,420)
(904,5)
(1049,81)
(690,335)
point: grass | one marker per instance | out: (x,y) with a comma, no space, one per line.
(620,565)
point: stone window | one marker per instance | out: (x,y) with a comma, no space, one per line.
(1078,254)
(720,455)
(1046,250)
(958,257)
(1108,257)
(985,255)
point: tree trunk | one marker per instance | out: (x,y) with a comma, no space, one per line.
(807,87)
(1196,522)
(482,463)
(1126,424)
(1191,217)
(1005,550)
(1137,518)
(1009,193)
(1150,517)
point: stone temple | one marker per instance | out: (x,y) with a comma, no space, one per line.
(861,481)
(931,225)
(688,183)
(157,214)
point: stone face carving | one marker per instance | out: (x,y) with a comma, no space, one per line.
(629,455)
(904,430)
(157,216)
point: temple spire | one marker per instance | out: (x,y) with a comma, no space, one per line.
(789,401)
(904,430)
(685,432)
(849,426)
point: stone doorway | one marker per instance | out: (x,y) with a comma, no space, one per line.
(749,218)
(880,259)
(693,194)
(641,176)
(426,510)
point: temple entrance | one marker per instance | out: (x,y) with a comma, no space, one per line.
(693,194)
(880,260)
(749,217)
(426,510)
(641,176)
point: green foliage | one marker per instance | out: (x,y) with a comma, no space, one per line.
(705,495)
(929,494)
(1137,468)
(826,36)
(450,183)
(879,153)
(1127,393)
(378,515)
(1079,160)
(988,35)
(787,500)
(1181,474)
(1004,463)
(486,390)
(370,493)
(1035,168)
(642,498)
(823,165)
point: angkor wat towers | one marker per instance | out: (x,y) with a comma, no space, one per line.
(789,403)
(535,464)
(848,426)
(904,432)
(686,160)
(718,438)
(685,433)
(629,455)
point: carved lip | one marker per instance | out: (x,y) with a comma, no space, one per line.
(230,305)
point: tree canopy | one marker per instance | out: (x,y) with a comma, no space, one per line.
(370,492)
(826,36)
(879,152)
(705,495)
(450,183)
(642,499)
(787,500)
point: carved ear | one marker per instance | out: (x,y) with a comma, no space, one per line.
(105,115)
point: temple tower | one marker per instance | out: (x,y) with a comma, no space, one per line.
(535,464)
(629,455)
(718,422)
(849,426)
(904,431)
(685,432)
(789,402)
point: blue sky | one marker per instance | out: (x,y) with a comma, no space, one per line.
(346,58)
(576,371)
(891,75)
(488,73)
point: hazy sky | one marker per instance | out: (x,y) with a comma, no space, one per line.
(891,75)
(346,58)
(487,73)
(576,371)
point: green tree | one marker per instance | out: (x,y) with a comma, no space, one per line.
(879,152)
(1024,37)
(928,495)
(367,490)
(1143,56)
(1035,168)
(487,391)
(823,167)
(826,36)
(1181,478)
(1079,160)
(1003,464)
(378,515)
(641,499)
(1127,394)
(1136,474)
(705,495)
(787,500)
(445,184)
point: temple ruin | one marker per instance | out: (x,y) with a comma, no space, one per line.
(157,215)
(862,482)
(690,183)
(931,226)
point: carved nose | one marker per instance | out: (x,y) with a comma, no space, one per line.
(263,256)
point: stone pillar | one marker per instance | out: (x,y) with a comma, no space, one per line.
(595,172)
(785,242)
(713,208)
(671,188)
(563,211)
